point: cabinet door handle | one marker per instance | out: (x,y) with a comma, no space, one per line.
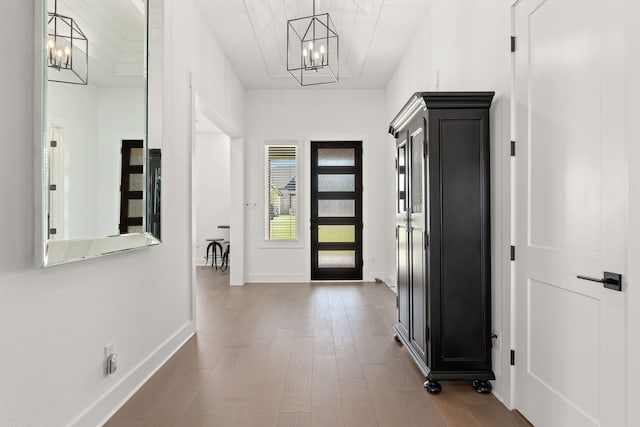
(610,280)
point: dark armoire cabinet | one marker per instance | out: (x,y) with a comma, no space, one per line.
(443,231)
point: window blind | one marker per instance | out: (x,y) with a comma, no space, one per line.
(281,216)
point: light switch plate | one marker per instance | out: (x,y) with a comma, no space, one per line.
(109,349)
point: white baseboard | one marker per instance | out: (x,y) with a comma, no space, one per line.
(200,262)
(276,278)
(302,278)
(109,403)
(372,275)
(390,281)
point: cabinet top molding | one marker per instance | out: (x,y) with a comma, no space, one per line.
(438,100)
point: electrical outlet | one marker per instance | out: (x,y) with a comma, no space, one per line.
(496,340)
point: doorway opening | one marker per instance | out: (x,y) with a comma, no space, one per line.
(224,192)
(213,188)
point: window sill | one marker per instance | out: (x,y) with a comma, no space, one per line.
(283,244)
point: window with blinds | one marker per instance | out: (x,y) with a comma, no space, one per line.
(281,216)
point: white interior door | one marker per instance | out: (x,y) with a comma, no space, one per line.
(571,212)
(58,206)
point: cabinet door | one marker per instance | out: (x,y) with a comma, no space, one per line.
(460,280)
(402,230)
(418,237)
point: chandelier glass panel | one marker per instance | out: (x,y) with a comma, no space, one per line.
(313,50)
(67,49)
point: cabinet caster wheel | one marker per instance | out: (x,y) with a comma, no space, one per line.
(432,386)
(482,386)
(397,338)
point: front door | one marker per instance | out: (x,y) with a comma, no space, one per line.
(336,210)
(571,201)
(132,187)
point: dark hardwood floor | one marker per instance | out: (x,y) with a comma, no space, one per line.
(299,355)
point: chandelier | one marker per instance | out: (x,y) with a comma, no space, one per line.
(313,49)
(67,50)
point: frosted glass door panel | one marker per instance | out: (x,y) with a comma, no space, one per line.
(336,259)
(336,182)
(137,156)
(336,208)
(136,182)
(336,233)
(336,157)
(136,208)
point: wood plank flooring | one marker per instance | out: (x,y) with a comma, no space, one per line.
(298,355)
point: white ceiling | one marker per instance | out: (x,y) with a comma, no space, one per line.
(373,35)
(116,33)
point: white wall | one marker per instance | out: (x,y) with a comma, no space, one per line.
(213,189)
(56,321)
(304,115)
(463,45)
(237,209)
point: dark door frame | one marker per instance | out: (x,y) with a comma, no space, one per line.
(354,273)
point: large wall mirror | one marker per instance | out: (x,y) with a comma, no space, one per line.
(101,181)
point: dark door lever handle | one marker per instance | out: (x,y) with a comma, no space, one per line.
(610,280)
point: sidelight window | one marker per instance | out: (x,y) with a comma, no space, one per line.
(281,216)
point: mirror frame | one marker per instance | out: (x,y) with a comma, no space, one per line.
(50,253)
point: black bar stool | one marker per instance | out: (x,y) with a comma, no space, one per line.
(225,256)
(214,245)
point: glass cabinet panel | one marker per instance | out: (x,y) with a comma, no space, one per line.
(402,182)
(417,158)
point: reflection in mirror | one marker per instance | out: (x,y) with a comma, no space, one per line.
(153,192)
(100,194)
